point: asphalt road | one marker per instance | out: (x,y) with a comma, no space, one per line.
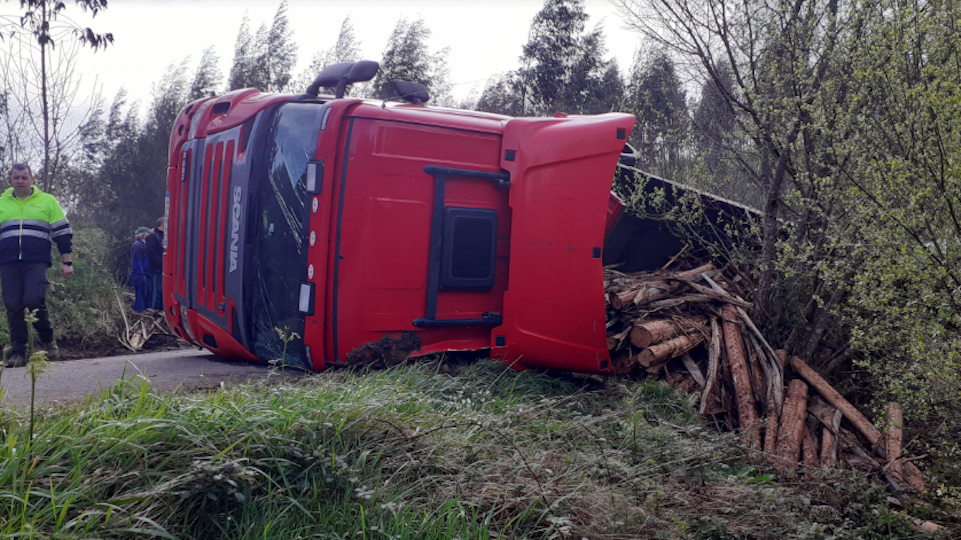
(73,380)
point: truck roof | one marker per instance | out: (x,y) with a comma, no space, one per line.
(216,114)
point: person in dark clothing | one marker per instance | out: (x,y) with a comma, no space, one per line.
(155,256)
(30,221)
(138,269)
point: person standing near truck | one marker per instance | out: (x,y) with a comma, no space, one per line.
(139,263)
(30,220)
(155,257)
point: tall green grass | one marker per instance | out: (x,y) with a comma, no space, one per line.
(404,453)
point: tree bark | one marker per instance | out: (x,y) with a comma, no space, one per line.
(648,333)
(853,415)
(789,434)
(809,449)
(672,348)
(892,442)
(829,439)
(770,433)
(740,373)
(713,359)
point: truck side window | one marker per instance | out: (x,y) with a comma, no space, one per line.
(469,248)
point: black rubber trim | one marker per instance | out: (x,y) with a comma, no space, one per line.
(248,126)
(489,319)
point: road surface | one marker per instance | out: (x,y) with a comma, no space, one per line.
(73,380)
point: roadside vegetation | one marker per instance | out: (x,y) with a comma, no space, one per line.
(87,310)
(428,450)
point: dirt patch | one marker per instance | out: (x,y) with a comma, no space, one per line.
(389,351)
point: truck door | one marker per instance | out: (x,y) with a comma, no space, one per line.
(421,237)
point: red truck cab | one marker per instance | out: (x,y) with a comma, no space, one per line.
(300,228)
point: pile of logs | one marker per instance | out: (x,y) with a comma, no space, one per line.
(692,328)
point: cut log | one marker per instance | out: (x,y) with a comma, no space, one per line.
(672,348)
(778,371)
(788,449)
(914,477)
(892,442)
(758,380)
(767,374)
(646,333)
(829,440)
(809,449)
(770,432)
(741,375)
(713,359)
(853,415)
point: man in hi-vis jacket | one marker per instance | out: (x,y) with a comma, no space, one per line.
(30,220)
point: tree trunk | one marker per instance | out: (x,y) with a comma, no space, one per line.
(44,180)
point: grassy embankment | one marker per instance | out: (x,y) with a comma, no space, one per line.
(419,451)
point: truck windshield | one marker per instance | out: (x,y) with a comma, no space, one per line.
(278,265)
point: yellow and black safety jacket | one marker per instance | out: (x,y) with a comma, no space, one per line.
(27,227)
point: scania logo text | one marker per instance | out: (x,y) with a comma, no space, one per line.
(235,228)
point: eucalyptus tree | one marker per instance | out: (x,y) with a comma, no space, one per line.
(655,95)
(408,58)
(264,60)
(502,95)
(715,140)
(241,70)
(562,64)
(208,77)
(346,49)
(277,53)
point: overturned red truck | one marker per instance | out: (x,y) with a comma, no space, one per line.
(302,227)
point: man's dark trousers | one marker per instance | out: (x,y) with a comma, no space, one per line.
(25,286)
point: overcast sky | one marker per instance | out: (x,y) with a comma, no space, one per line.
(484,36)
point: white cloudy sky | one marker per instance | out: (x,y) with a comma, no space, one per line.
(485,37)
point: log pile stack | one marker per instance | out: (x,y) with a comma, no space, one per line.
(692,328)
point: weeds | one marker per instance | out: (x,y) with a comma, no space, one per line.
(408,453)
